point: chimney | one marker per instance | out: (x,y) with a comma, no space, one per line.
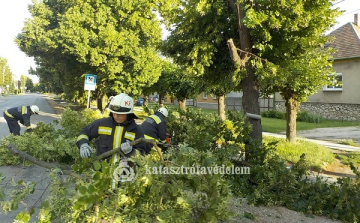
(357,19)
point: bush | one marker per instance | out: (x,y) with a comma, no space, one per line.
(304,116)
(273,114)
(207,132)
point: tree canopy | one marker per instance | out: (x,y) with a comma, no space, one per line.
(115,40)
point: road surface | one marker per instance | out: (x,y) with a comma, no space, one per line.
(29,173)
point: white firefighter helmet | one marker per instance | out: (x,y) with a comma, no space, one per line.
(34,109)
(163,111)
(121,104)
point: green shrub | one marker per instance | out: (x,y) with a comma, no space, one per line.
(273,114)
(304,116)
(207,132)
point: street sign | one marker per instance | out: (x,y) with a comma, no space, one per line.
(90,82)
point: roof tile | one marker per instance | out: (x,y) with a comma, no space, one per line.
(346,41)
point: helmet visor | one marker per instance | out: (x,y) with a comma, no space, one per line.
(118,108)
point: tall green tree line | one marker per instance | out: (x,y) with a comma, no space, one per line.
(116,40)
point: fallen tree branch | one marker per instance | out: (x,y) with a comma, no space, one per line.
(140,140)
(65,169)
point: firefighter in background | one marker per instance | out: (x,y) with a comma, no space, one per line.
(22,114)
(154,127)
(110,99)
(107,105)
(113,132)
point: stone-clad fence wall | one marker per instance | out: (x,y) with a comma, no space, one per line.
(349,112)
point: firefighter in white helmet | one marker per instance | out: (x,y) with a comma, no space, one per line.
(22,114)
(113,132)
(154,127)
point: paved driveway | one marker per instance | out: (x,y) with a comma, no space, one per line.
(18,172)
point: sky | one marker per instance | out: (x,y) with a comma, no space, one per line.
(13,14)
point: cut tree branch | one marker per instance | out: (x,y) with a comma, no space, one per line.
(66,169)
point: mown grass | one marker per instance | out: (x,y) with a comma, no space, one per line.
(350,157)
(278,125)
(317,156)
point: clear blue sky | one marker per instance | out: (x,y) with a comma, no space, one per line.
(14,12)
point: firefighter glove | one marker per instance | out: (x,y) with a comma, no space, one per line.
(85,150)
(126,147)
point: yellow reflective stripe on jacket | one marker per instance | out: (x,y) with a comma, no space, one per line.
(129,135)
(80,137)
(28,127)
(156,118)
(116,144)
(8,114)
(102,130)
(149,137)
(23,110)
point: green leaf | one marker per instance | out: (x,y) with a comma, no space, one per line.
(97,165)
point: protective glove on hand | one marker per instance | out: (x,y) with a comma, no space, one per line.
(29,130)
(126,147)
(85,150)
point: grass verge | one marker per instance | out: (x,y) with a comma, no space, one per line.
(279,125)
(318,156)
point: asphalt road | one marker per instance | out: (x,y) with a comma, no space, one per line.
(18,172)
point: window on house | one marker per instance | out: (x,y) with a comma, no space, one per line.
(204,95)
(336,86)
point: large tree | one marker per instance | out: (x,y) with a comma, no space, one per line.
(275,34)
(198,43)
(116,40)
(290,35)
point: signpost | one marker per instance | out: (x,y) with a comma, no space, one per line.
(90,84)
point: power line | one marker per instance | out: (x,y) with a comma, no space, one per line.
(338,2)
(351,12)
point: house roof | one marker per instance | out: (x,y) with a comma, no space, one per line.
(346,41)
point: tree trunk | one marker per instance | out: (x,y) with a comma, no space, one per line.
(221,107)
(146,100)
(249,84)
(292,108)
(99,98)
(161,100)
(182,104)
(250,99)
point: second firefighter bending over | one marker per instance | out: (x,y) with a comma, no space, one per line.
(22,114)
(113,132)
(154,127)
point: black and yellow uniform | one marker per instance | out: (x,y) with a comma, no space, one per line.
(154,127)
(13,115)
(109,135)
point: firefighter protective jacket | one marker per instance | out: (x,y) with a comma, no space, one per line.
(154,127)
(109,135)
(21,114)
